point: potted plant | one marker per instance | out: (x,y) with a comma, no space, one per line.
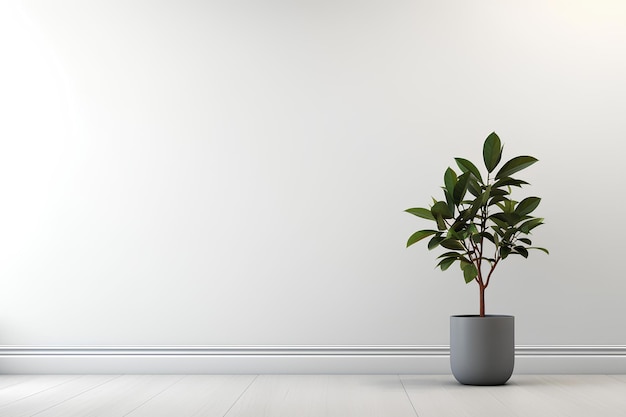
(479,225)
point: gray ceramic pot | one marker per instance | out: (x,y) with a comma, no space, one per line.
(482,349)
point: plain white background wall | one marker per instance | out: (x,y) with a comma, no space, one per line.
(234,172)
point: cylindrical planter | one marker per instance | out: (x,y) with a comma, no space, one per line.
(482,349)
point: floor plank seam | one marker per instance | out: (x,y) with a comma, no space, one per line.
(240,395)
(156,395)
(505,405)
(74,396)
(39,392)
(408,396)
(12,385)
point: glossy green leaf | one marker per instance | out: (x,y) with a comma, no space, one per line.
(469,273)
(500,223)
(419,235)
(476,205)
(450,179)
(499,192)
(541,249)
(421,212)
(452,244)
(465,214)
(441,224)
(521,250)
(500,220)
(450,202)
(527,206)
(484,198)
(514,165)
(473,187)
(497,199)
(509,206)
(460,188)
(445,263)
(449,254)
(440,208)
(525,240)
(509,182)
(504,251)
(492,151)
(435,241)
(529,225)
(466,166)
(508,234)
(452,234)
(488,236)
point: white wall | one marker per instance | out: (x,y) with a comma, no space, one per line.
(234,172)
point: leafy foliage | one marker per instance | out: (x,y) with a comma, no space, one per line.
(478,221)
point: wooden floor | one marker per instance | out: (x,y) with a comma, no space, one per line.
(308,395)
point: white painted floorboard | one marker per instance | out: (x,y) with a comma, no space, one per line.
(324,395)
(196,396)
(31,386)
(308,396)
(524,395)
(48,398)
(117,397)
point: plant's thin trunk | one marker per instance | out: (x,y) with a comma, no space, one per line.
(482,301)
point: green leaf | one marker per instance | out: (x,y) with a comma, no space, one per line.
(508,181)
(441,224)
(509,233)
(498,192)
(419,235)
(500,223)
(458,235)
(466,166)
(497,199)
(505,220)
(473,187)
(421,212)
(521,250)
(526,241)
(440,208)
(450,202)
(451,243)
(469,273)
(504,251)
(509,206)
(492,151)
(541,249)
(465,214)
(516,164)
(488,236)
(476,205)
(435,241)
(485,195)
(449,179)
(449,254)
(529,225)
(460,188)
(527,206)
(445,263)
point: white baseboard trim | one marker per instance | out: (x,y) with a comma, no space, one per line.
(545,359)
